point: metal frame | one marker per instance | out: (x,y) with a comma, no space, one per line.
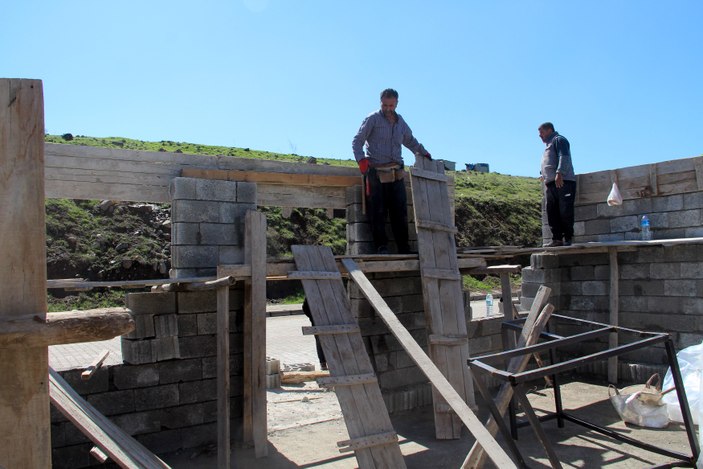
(484,365)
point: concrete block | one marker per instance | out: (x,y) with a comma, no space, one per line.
(185,234)
(579,228)
(219,234)
(694,232)
(665,270)
(137,352)
(176,371)
(595,288)
(582,272)
(571,288)
(71,457)
(246,193)
(601,272)
(236,365)
(681,287)
(198,346)
(686,339)
(113,402)
(165,348)
(401,378)
(658,221)
(357,232)
(207,323)
(135,376)
(585,212)
(216,190)
(634,271)
(143,327)
(665,304)
(187,325)
(231,255)
(544,261)
(692,305)
(151,303)
(197,302)
(195,211)
(612,237)
(187,415)
(633,304)
(195,257)
(599,226)
(197,391)
(138,423)
(483,345)
(588,303)
(166,441)
(692,200)
(100,382)
(668,233)
(685,218)
(641,287)
(606,211)
(183,188)
(166,325)
(671,203)
(623,224)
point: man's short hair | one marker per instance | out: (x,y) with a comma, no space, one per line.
(546,125)
(389,93)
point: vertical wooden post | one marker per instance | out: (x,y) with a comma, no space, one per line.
(25,438)
(223,379)
(614,312)
(255,425)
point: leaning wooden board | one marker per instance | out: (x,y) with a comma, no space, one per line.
(483,437)
(371,433)
(441,290)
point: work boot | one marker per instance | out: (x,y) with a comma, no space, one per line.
(555,243)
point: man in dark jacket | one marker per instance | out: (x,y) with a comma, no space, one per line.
(560,185)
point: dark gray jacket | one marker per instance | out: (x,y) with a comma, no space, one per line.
(557,158)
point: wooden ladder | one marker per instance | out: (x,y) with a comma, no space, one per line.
(441,290)
(371,433)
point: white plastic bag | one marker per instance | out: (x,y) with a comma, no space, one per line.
(614,198)
(690,362)
(640,405)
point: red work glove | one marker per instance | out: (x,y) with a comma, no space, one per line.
(364,166)
(428,156)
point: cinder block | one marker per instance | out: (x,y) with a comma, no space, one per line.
(694,232)
(693,200)
(692,305)
(195,211)
(401,378)
(207,323)
(544,261)
(151,303)
(357,232)
(113,402)
(197,391)
(165,348)
(175,371)
(184,415)
(216,190)
(231,255)
(582,272)
(666,304)
(685,218)
(187,325)
(166,325)
(585,212)
(633,304)
(186,234)
(143,327)
(246,193)
(665,270)
(234,214)
(218,234)
(599,226)
(197,302)
(681,287)
(623,224)
(588,303)
(594,288)
(634,271)
(236,365)
(72,435)
(99,382)
(137,352)
(198,346)
(71,457)
(195,257)
(135,376)
(166,441)
(182,188)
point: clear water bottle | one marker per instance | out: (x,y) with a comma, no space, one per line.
(645,232)
(489,304)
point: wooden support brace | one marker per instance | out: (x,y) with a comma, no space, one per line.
(441,274)
(334,329)
(349,380)
(436,339)
(93,367)
(367,442)
(199,286)
(434,226)
(421,173)
(98,454)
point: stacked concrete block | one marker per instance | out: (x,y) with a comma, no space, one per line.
(359,239)
(206,224)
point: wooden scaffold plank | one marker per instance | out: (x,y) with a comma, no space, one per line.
(441,289)
(436,377)
(351,372)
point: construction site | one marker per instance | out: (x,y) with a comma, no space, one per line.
(417,377)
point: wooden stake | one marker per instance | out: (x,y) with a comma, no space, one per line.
(25,439)
(93,367)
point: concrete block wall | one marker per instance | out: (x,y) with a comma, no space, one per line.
(207,226)
(403,385)
(660,290)
(167,403)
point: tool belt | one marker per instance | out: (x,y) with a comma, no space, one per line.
(390,173)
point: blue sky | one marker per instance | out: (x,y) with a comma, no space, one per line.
(621,79)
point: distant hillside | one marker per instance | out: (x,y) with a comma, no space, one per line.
(108,241)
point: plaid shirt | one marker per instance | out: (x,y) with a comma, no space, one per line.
(383,140)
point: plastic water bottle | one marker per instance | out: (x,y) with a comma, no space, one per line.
(645,233)
(489,304)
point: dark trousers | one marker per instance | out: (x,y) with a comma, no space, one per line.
(560,209)
(320,352)
(388,198)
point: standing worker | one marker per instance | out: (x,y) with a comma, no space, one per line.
(382,165)
(560,185)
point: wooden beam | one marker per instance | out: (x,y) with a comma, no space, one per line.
(614,313)
(94,365)
(68,327)
(496,453)
(293,179)
(25,439)
(223,379)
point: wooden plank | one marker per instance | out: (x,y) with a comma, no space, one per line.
(421,173)
(436,339)
(297,377)
(223,379)
(94,365)
(332,329)
(299,275)
(441,274)
(25,439)
(67,327)
(434,226)
(112,440)
(255,425)
(536,320)
(495,452)
(353,380)
(614,313)
(296,179)
(363,408)
(356,444)
(506,295)
(99,455)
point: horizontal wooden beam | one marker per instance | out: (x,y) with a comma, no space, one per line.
(295,179)
(68,327)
